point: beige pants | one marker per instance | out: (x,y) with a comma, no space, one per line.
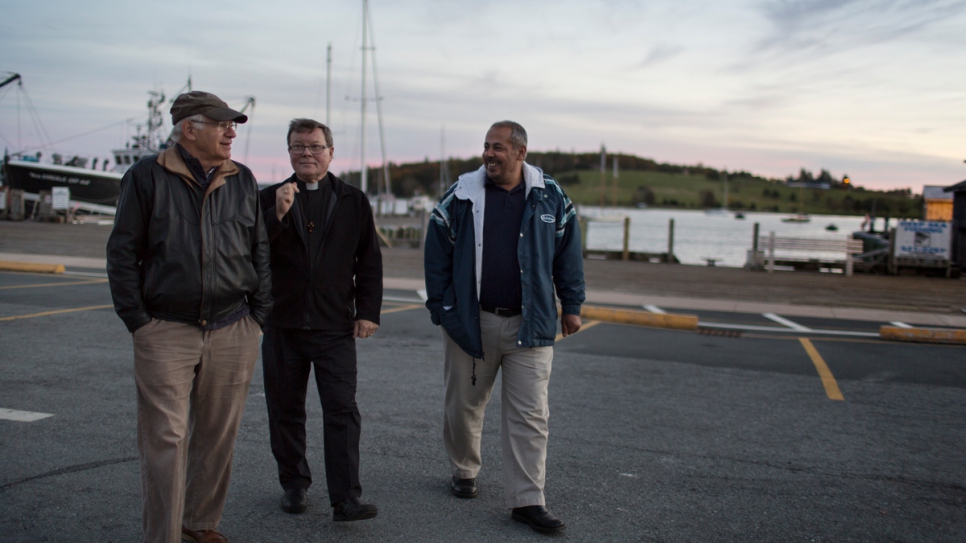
(192,386)
(526,374)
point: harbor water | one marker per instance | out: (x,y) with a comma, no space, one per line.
(699,236)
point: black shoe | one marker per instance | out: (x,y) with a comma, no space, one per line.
(294,500)
(464,488)
(538,518)
(353,509)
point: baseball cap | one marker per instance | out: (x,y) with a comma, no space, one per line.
(205,103)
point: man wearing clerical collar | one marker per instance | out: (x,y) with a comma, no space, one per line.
(327,277)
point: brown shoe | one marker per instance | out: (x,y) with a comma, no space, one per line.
(204,536)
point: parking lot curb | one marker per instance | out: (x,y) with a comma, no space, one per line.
(924,335)
(640,318)
(31,267)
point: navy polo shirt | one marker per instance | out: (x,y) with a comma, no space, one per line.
(502,218)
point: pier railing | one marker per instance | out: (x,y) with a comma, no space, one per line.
(848,248)
(625,253)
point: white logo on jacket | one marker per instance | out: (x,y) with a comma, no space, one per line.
(547,218)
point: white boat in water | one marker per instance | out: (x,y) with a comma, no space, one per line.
(798,217)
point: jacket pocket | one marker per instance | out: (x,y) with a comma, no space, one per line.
(450,321)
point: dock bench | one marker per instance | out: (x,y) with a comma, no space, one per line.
(847,247)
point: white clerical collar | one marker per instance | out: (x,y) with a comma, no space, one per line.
(312,186)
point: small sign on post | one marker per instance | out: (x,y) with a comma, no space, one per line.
(921,244)
(923,239)
(60,198)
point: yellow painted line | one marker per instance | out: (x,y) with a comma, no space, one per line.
(62,284)
(58,312)
(924,335)
(584,326)
(640,318)
(828,380)
(403,308)
(6,265)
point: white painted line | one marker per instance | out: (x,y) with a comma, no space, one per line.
(655,309)
(422,294)
(785,330)
(898,324)
(405,300)
(786,322)
(22,416)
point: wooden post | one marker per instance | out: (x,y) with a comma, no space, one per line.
(424,222)
(754,242)
(771,251)
(670,241)
(627,236)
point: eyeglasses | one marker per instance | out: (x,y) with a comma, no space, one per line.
(298,148)
(222,126)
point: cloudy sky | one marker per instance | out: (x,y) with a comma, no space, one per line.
(872,88)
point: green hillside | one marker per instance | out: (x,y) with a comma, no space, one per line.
(643,181)
(745,193)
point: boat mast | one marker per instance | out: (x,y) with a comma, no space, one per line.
(614,194)
(11,79)
(443,163)
(328,83)
(362,158)
(249,103)
(378,98)
(603,173)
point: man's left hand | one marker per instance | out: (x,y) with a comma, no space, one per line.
(570,324)
(366,328)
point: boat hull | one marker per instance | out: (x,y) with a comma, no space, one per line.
(91,186)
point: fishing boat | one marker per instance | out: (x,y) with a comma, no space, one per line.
(92,189)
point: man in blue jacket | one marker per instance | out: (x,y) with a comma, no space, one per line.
(500,241)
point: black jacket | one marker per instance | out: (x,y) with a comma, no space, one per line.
(345,282)
(179,255)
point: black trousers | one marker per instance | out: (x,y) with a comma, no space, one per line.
(287,357)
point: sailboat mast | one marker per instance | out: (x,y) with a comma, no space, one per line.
(328,83)
(378,98)
(443,162)
(603,173)
(613,201)
(363,184)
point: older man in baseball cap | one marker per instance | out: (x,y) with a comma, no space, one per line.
(188,263)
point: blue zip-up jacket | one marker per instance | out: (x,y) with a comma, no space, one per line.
(549,253)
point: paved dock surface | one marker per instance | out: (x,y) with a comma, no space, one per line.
(889,293)
(794,428)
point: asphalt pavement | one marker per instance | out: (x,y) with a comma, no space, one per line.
(757,432)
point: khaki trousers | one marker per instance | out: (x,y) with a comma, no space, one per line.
(192,385)
(524,416)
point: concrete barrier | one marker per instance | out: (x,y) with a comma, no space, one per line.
(31,267)
(640,318)
(924,335)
